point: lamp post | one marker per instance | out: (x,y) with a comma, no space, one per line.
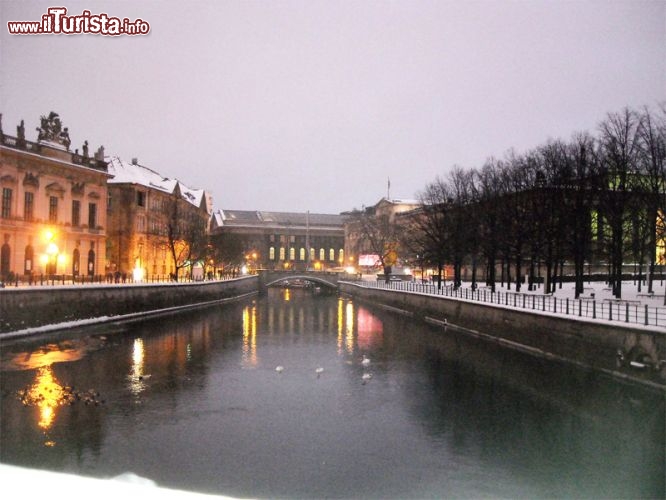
(51,255)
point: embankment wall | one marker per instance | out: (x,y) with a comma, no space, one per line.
(22,308)
(587,343)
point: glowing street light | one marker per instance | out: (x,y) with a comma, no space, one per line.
(51,257)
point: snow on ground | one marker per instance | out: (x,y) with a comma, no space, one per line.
(601,290)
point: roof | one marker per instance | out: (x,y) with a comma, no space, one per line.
(250,218)
(132,173)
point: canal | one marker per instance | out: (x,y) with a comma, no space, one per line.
(194,401)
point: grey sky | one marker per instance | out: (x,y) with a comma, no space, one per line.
(312,105)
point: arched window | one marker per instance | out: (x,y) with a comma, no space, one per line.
(4,260)
(281,253)
(312,253)
(292,253)
(271,253)
(76,262)
(28,259)
(302,254)
(322,254)
(91,262)
(331,255)
(341,256)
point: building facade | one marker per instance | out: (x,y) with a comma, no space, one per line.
(157,226)
(283,240)
(358,248)
(53,216)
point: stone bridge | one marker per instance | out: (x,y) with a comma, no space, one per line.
(269,278)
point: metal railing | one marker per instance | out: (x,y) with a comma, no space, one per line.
(617,310)
(68,279)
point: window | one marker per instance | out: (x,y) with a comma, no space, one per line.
(312,253)
(281,253)
(302,254)
(292,253)
(141,198)
(53,209)
(271,253)
(29,206)
(341,256)
(76,213)
(92,215)
(331,254)
(28,259)
(6,203)
(91,259)
(5,253)
(322,254)
(76,262)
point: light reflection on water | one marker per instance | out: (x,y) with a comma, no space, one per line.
(443,415)
(136,376)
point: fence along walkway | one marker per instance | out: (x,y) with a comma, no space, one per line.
(625,311)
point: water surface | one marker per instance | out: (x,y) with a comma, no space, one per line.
(194,401)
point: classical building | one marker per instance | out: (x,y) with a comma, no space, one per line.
(283,240)
(53,217)
(155,222)
(356,244)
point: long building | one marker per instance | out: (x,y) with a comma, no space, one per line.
(283,240)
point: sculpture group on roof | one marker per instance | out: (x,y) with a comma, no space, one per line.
(51,130)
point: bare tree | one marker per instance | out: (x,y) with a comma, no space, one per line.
(186,233)
(620,146)
(652,132)
(433,224)
(376,234)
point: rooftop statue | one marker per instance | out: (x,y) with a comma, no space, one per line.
(51,130)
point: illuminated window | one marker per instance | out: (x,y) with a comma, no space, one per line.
(302,254)
(292,253)
(312,254)
(331,254)
(281,253)
(271,253)
(322,254)
(341,256)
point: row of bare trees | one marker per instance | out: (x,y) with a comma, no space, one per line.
(591,199)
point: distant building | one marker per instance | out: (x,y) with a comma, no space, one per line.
(284,240)
(360,251)
(52,220)
(142,205)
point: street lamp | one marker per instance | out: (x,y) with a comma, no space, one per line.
(51,256)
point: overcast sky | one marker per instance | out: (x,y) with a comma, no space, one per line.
(313,105)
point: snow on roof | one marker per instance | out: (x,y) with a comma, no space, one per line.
(132,173)
(264,218)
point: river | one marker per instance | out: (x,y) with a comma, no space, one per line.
(195,401)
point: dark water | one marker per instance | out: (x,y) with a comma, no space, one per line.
(194,402)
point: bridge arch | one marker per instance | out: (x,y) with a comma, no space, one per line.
(272,278)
